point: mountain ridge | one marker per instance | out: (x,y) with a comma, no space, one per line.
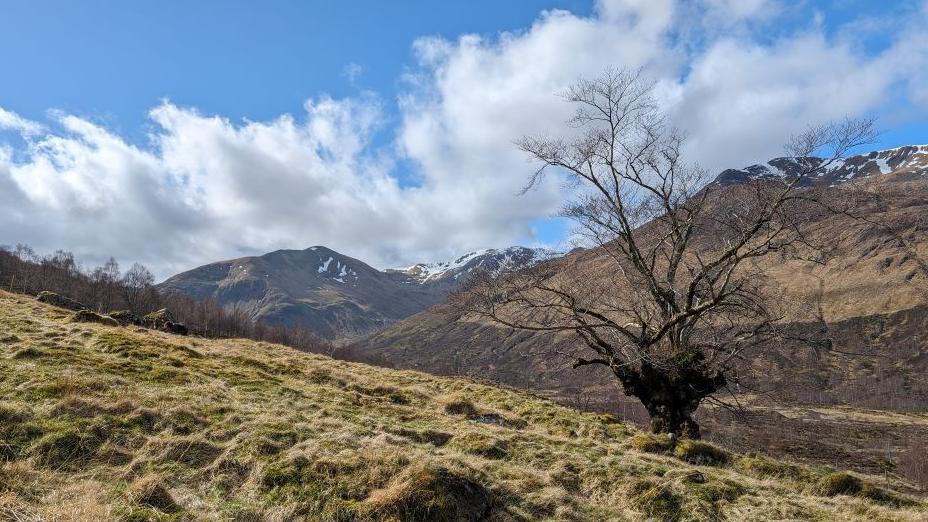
(910,158)
(335,295)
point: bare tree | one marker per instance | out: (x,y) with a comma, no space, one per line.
(137,287)
(677,295)
(105,285)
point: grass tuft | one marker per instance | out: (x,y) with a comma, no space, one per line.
(150,491)
(768,468)
(429,494)
(70,448)
(702,453)
(657,500)
(840,483)
(480,445)
(191,451)
(652,443)
(456,405)
(426,436)
(28,352)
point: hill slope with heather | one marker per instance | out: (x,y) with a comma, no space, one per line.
(102,422)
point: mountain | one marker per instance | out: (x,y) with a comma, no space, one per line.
(878,268)
(903,162)
(491,260)
(873,294)
(340,297)
(107,423)
(335,295)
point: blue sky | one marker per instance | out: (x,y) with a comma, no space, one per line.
(384,129)
(114,60)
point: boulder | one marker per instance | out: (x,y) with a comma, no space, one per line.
(164,321)
(175,328)
(126,318)
(162,315)
(86,316)
(60,301)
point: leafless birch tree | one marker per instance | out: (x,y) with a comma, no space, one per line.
(678,294)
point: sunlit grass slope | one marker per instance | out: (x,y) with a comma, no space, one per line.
(100,422)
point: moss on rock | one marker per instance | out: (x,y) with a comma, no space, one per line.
(652,443)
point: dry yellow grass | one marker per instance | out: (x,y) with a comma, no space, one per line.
(107,423)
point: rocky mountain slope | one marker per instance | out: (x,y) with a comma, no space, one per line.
(335,295)
(107,423)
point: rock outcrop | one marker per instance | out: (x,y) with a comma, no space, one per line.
(86,316)
(60,301)
(164,321)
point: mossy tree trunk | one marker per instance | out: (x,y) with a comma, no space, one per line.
(671,397)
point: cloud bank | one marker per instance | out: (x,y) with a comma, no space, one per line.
(204,187)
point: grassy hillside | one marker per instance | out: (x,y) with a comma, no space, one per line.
(101,422)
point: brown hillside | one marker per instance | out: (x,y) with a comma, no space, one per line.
(872,292)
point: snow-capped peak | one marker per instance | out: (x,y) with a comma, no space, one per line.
(493,260)
(912,159)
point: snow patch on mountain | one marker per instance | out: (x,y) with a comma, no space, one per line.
(339,272)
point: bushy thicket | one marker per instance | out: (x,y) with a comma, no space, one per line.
(105,289)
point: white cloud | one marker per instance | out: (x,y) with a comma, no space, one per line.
(12,121)
(742,100)
(737,96)
(207,188)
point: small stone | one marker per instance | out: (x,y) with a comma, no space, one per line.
(696,478)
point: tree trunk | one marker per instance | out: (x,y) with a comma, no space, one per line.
(671,415)
(671,396)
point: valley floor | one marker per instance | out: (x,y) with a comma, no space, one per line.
(108,423)
(884,443)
